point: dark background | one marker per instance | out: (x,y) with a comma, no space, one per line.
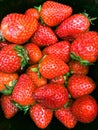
(24,122)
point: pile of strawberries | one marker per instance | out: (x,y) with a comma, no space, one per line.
(45,55)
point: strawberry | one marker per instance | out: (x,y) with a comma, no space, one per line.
(13,58)
(7,82)
(41,115)
(76,67)
(34,53)
(79,85)
(23,90)
(51,67)
(18,28)
(2,44)
(66,117)
(32,12)
(44,36)
(85,48)
(53,13)
(60,50)
(37,79)
(8,108)
(85,109)
(51,95)
(73,26)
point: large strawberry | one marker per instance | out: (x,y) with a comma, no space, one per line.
(85,48)
(73,26)
(18,28)
(51,67)
(79,85)
(7,82)
(66,117)
(23,90)
(8,108)
(34,53)
(51,95)
(41,115)
(60,50)
(53,13)
(85,109)
(13,58)
(37,79)
(44,36)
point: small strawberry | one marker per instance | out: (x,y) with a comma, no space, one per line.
(18,28)
(76,67)
(51,67)
(73,26)
(32,12)
(85,48)
(53,13)
(66,117)
(41,115)
(7,82)
(44,36)
(85,109)
(79,85)
(60,50)
(51,95)
(34,53)
(37,79)
(23,90)
(8,108)
(13,58)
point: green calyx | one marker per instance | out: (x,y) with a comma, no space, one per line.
(9,88)
(83,62)
(22,53)
(38,8)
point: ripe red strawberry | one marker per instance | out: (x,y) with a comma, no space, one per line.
(3,44)
(23,90)
(13,58)
(18,28)
(79,85)
(53,13)
(76,67)
(60,50)
(8,108)
(44,36)
(32,12)
(66,117)
(85,48)
(6,82)
(85,109)
(73,26)
(41,115)
(37,79)
(51,95)
(34,53)
(51,67)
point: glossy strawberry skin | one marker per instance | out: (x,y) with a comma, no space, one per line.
(79,85)
(51,95)
(18,28)
(32,12)
(85,109)
(44,36)
(60,49)
(86,46)
(73,26)
(41,115)
(53,13)
(65,116)
(51,67)
(23,90)
(8,108)
(3,44)
(7,79)
(34,53)
(36,78)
